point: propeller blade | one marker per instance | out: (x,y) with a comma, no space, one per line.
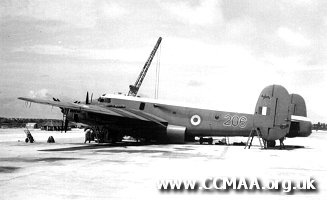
(63,119)
(66,124)
(87,98)
(62,124)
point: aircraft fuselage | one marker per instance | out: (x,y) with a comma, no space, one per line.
(198,122)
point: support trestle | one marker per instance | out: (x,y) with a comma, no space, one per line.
(255,132)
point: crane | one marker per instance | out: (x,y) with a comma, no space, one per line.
(133,89)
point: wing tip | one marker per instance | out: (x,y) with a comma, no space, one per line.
(24,98)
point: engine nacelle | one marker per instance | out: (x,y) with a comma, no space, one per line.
(176,134)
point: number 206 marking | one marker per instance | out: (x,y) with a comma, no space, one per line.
(235,121)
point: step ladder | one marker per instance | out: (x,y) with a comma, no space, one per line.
(255,132)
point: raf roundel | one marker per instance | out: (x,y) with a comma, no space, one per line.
(195,120)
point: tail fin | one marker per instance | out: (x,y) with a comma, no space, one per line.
(272,115)
(301,126)
(298,107)
(279,114)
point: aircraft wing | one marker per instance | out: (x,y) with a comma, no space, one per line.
(109,111)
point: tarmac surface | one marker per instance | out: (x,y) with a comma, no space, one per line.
(70,169)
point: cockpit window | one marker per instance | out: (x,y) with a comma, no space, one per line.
(105,100)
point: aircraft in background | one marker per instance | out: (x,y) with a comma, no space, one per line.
(277,115)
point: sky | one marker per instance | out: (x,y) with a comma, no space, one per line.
(218,54)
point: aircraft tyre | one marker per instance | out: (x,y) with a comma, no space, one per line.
(207,140)
(271,143)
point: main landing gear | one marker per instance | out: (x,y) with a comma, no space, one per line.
(264,144)
(271,143)
(104,135)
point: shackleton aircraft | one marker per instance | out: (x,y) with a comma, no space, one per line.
(277,115)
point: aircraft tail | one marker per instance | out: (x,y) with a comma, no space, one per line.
(279,114)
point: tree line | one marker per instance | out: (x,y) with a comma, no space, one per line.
(21,122)
(319,126)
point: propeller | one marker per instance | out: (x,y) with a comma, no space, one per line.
(65,111)
(87,98)
(64,123)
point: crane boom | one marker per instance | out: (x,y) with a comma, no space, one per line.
(133,89)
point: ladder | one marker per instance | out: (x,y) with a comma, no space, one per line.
(255,132)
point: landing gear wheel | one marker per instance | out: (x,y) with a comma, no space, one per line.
(206,139)
(271,143)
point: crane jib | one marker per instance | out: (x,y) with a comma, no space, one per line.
(133,89)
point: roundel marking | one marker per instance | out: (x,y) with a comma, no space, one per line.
(195,120)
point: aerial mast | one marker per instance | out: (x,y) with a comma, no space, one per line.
(133,89)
